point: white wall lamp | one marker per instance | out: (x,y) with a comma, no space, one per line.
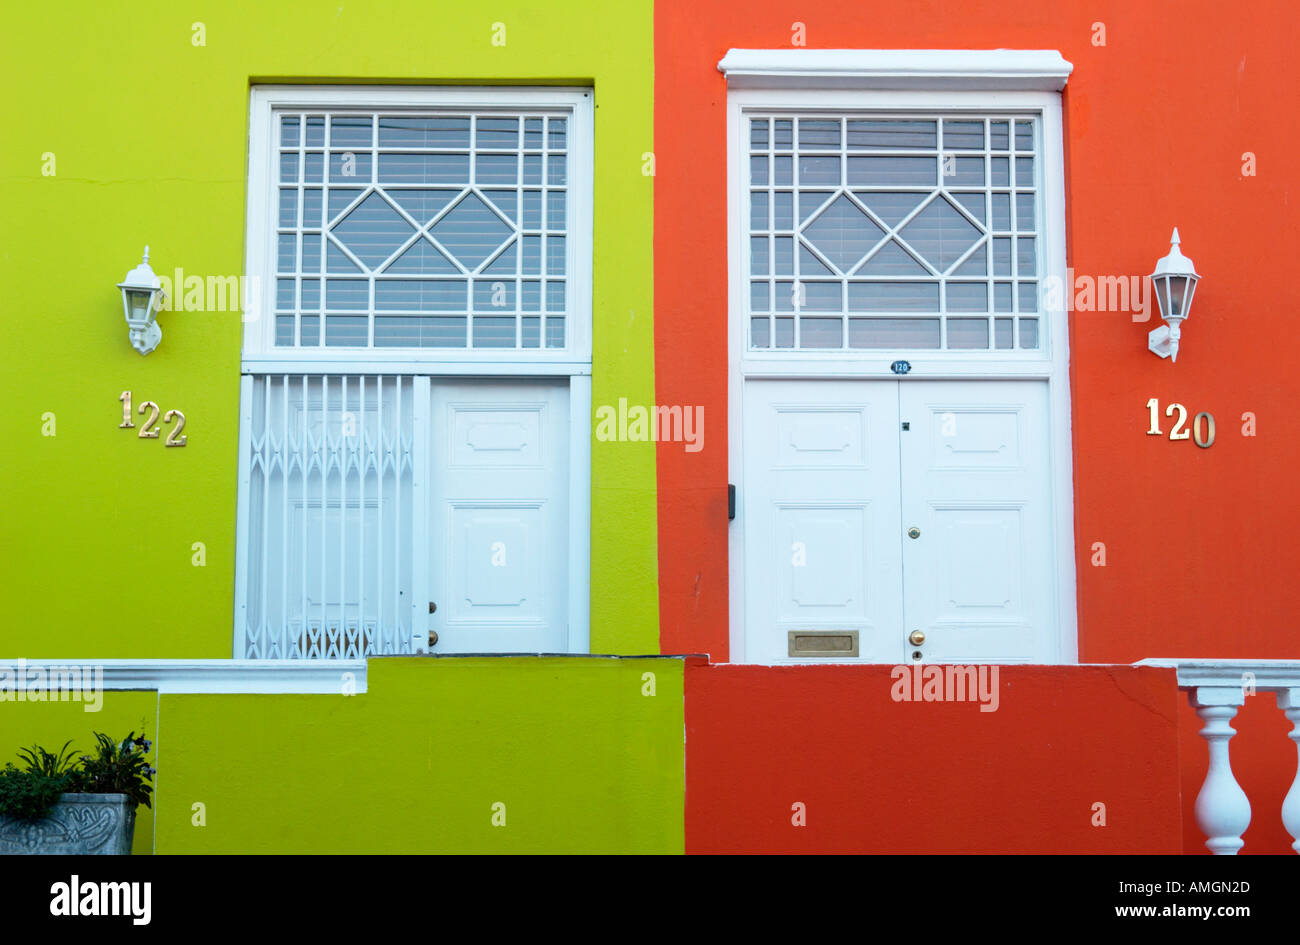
(1175,281)
(142,296)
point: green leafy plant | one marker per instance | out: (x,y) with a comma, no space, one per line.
(40,761)
(28,795)
(116,768)
(113,767)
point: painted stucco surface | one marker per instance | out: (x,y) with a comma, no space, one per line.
(1167,122)
(50,724)
(120,131)
(875,775)
(582,760)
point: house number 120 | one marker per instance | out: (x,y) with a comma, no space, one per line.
(147,432)
(1202,429)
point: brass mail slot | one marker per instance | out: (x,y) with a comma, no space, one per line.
(823,643)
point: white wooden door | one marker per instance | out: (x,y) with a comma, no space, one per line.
(498,516)
(821,519)
(979,577)
(881,507)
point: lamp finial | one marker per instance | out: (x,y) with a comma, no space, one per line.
(146,248)
(1173,241)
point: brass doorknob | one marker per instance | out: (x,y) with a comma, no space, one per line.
(914,532)
(916,637)
(433,638)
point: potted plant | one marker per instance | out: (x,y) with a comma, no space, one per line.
(59,803)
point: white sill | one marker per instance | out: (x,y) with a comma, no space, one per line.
(322,677)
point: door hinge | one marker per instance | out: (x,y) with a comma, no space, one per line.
(731,502)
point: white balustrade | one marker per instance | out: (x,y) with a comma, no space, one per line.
(1216,689)
(1288,700)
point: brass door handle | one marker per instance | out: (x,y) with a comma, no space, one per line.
(433,638)
(914,532)
(916,637)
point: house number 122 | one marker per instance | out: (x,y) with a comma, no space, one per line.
(147,432)
(1202,429)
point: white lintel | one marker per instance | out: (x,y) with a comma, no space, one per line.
(1043,70)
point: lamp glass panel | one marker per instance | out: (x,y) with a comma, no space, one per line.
(138,303)
(1177,289)
(1161,286)
(1188,296)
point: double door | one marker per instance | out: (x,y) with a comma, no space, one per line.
(897,520)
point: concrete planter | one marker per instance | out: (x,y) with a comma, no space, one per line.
(78,824)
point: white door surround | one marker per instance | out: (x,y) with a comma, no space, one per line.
(395,213)
(946,83)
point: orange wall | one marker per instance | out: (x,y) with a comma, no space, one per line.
(879,776)
(1200,543)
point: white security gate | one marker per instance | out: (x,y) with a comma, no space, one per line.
(327,507)
(368,499)
(876,509)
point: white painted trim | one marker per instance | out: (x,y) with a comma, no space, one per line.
(478,366)
(579,609)
(737,243)
(1043,70)
(1227,674)
(1051,187)
(259,332)
(176,676)
(421,480)
(935,366)
(259,335)
(244,465)
(1052,364)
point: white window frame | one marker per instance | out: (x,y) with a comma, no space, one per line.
(1025,82)
(259,350)
(259,355)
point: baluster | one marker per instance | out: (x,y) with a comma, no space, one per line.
(1222,808)
(1288,700)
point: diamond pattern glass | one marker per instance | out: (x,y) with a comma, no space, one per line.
(406,230)
(870,231)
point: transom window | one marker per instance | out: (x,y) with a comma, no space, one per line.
(423,229)
(902,232)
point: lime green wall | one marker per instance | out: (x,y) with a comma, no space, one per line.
(148,137)
(582,760)
(50,724)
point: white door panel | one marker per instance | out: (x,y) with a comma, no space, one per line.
(498,556)
(978,581)
(821,513)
